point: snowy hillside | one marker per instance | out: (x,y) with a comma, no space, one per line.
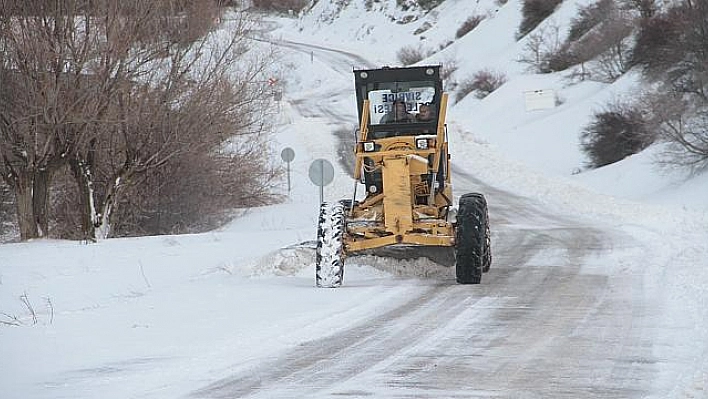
(546,140)
(597,290)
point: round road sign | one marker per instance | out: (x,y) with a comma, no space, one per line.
(321,172)
(288,154)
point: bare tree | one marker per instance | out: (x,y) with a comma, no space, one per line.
(7,212)
(646,8)
(689,142)
(203,126)
(671,49)
(680,122)
(116,91)
(607,46)
(599,39)
(41,97)
(195,100)
(541,47)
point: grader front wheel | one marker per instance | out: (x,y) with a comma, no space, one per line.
(329,270)
(472,253)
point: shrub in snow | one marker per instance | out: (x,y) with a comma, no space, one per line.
(468,25)
(483,83)
(426,25)
(463,89)
(558,60)
(445,44)
(588,17)
(408,5)
(449,67)
(280,5)
(614,133)
(672,47)
(409,55)
(427,4)
(533,13)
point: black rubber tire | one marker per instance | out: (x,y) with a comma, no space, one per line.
(329,263)
(487,258)
(487,248)
(472,249)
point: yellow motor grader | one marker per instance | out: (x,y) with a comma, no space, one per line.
(402,161)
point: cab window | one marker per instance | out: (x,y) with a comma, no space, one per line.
(416,96)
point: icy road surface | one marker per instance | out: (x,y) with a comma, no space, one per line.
(537,327)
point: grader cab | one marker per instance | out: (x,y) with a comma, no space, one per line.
(403,164)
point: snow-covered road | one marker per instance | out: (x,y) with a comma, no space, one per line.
(538,326)
(548,321)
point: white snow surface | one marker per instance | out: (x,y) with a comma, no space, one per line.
(161,317)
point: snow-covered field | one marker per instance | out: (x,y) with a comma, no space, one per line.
(163,317)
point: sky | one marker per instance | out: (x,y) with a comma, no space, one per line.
(185,315)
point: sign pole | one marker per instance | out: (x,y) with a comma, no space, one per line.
(288,154)
(288,177)
(322,186)
(321,174)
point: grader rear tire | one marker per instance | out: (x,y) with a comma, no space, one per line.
(472,252)
(329,264)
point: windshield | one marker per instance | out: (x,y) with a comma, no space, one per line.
(402,102)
